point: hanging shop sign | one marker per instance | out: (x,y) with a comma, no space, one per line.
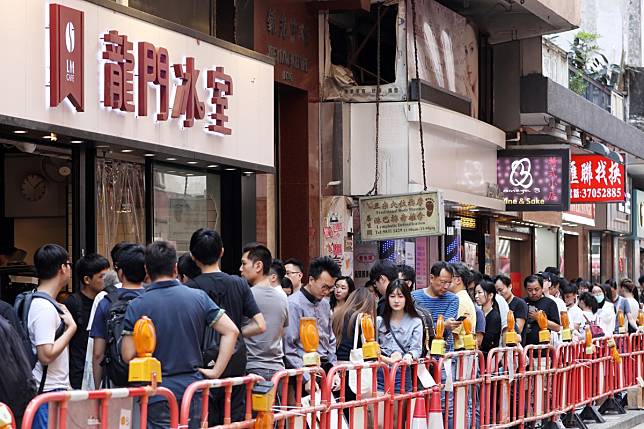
(402,216)
(596,179)
(103,72)
(534,180)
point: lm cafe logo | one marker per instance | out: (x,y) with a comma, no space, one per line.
(154,69)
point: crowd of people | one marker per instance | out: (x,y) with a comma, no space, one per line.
(211,324)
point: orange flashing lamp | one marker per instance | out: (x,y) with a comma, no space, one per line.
(370,349)
(590,347)
(469,342)
(6,417)
(544,333)
(310,341)
(144,367)
(566,333)
(640,319)
(511,336)
(621,322)
(262,399)
(438,343)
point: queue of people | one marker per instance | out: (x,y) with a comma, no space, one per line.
(211,324)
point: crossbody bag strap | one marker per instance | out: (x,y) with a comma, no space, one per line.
(41,387)
(396,339)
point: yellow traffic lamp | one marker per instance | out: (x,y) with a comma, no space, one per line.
(613,350)
(370,349)
(590,347)
(566,333)
(511,336)
(544,333)
(621,322)
(438,343)
(144,368)
(262,399)
(640,319)
(310,341)
(469,342)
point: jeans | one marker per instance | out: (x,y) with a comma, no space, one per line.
(159,414)
(41,419)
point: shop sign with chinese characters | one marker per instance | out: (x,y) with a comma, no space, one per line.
(402,216)
(596,179)
(534,180)
(103,72)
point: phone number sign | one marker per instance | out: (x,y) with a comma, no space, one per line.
(596,179)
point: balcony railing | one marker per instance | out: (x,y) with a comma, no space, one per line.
(594,92)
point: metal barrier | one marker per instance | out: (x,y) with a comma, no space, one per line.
(462,383)
(636,358)
(503,401)
(99,416)
(540,375)
(204,386)
(360,407)
(300,413)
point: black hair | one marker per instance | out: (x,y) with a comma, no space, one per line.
(296,262)
(352,286)
(531,279)
(475,277)
(461,270)
(553,270)
(566,288)
(585,284)
(278,268)
(322,264)
(440,266)
(630,287)
(206,246)
(589,300)
(114,253)
(409,273)
(507,281)
(409,302)
(257,252)
(608,293)
(91,264)
(160,259)
(48,259)
(287,284)
(489,288)
(186,266)
(383,267)
(17,385)
(132,262)
(555,280)
(640,280)
(611,282)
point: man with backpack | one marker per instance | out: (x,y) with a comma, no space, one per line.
(232,294)
(107,327)
(181,317)
(49,324)
(90,270)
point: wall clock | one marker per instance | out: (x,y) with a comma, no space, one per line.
(33,187)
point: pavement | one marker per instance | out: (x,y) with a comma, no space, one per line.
(633,419)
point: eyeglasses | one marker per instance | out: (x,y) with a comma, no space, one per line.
(290,273)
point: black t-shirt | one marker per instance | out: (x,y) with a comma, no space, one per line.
(231,293)
(531,329)
(519,308)
(80,308)
(492,331)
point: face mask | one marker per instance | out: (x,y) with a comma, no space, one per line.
(599,298)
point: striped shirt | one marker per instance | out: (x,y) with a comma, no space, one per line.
(446,305)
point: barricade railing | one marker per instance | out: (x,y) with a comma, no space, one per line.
(540,375)
(569,367)
(205,386)
(462,384)
(98,411)
(298,410)
(503,401)
(636,361)
(362,400)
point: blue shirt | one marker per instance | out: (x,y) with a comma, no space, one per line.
(180,316)
(409,333)
(99,324)
(446,305)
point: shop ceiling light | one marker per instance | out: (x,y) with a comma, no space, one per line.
(20,132)
(76,141)
(248,173)
(127,150)
(213,166)
(230,169)
(149,154)
(171,159)
(51,136)
(192,162)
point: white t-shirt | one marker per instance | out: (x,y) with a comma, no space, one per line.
(504,308)
(576,316)
(43,320)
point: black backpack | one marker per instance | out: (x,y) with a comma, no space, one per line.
(22,305)
(114,369)
(428,329)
